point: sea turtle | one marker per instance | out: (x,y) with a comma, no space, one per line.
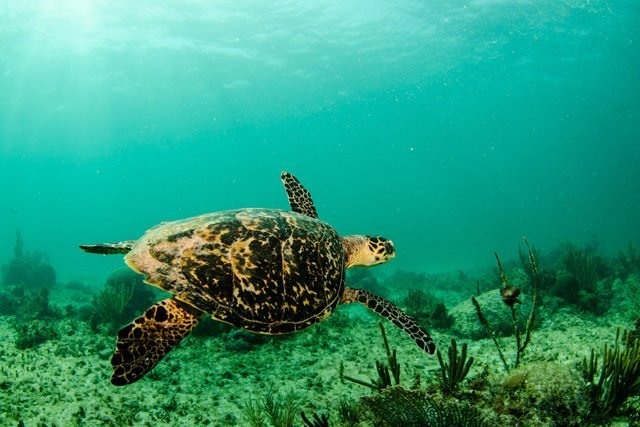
(266,271)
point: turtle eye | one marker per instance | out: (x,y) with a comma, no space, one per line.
(389,247)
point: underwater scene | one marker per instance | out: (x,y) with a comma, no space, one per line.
(319,213)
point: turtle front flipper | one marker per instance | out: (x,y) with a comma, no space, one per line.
(299,197)
(392,313)
(143,343)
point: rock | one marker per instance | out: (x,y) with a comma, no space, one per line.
(545,393)
(495,311)
(626,295)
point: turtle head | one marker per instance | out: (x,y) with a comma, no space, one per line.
(367,250)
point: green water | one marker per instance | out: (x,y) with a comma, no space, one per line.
(453,128)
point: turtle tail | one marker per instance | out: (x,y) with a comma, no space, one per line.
(109,248)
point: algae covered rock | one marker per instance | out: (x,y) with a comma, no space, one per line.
(543,394)
(626,295)
(497,313)
(32,333)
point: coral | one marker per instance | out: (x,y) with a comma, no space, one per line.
(455,371)
(8,303)
(27,304)
(525,263)
(615,380)
(627,263)
(426,309)
(32,333)
(280,411)
(580,283)
(254,414)
(123,297)
(399,407)
(509,296)
(29,269)
(36,306)
(635,333)
(349,412)
(318,421)
(440,318)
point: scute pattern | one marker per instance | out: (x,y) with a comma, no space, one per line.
(143,343)
(264,270)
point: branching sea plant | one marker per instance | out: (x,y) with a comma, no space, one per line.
(281,411)
(30,270)
(456,369)
(614,380)
(253,414)
(124,295)
(111,303)
(272,409)
(627,263)
(510,296)
(315,421)
(349,412)
(525,261)
(427,309)
(580,283)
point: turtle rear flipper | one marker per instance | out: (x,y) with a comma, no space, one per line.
(109,248)
(392,313)
(143,343)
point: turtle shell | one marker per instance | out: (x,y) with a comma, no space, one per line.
(264,270)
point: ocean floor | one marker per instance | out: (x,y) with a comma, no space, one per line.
(214,379)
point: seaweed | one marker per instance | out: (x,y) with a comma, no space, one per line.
(635,333)
(456,370)
(578,281)
(427,310)
(509,296)
(279,410)
(33,333)
(627,263)
(28,305)
(349,412)
(31,270)
(523,256)
(123,296)
(254,414)
(615,380)
(317,420)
